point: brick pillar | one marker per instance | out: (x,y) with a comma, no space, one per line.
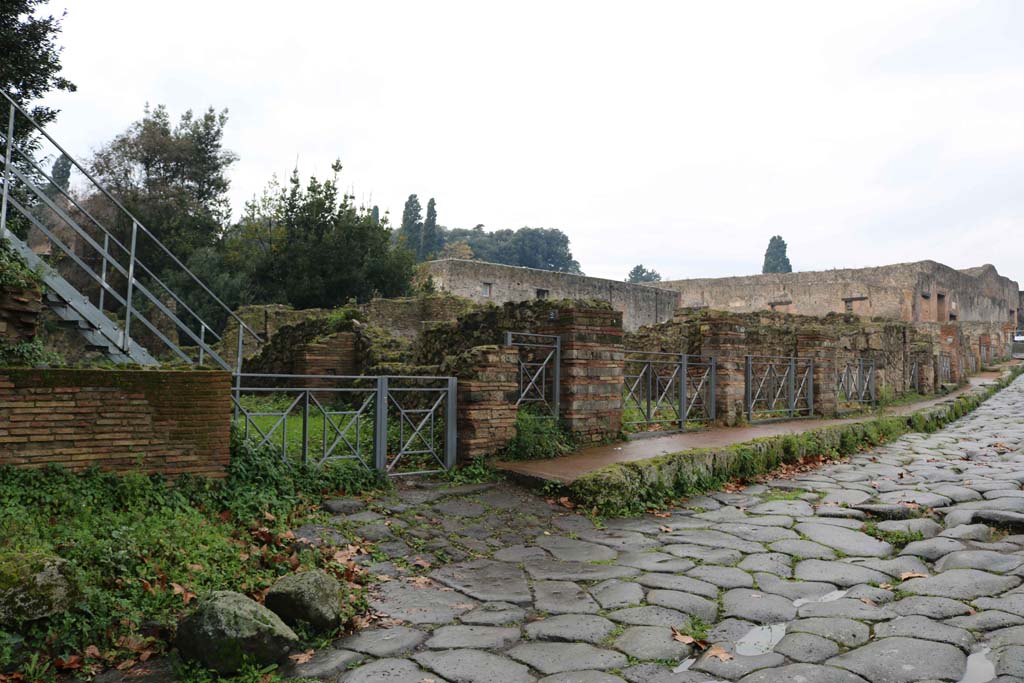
(486,415)
(821,349)
(725,339)
(593,364)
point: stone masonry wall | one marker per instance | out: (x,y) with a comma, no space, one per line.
(19,314)
(638,304)
(160,422)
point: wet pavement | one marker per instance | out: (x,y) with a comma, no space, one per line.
(903,563)
(567,469)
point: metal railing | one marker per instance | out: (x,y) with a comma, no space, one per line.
(667,389)
(398,425)
(855,382)
(540,367)
(777,387)
(121,283)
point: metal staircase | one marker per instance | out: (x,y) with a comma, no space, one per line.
(119,291)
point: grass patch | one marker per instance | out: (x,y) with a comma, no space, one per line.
(136,547)
(537,437)
(897,539)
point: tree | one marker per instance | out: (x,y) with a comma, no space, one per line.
(775,258)
(310,246)
(411,229)
(642,274)
(30,67)
(172,178)
(544,248)
(430,238)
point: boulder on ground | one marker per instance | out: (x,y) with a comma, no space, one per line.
(33,586)
(227,628)
(313,597)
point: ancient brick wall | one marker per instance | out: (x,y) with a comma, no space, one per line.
(161,422)
(923,291)
(19,313)
(485,282)
(591,370)
(486,413)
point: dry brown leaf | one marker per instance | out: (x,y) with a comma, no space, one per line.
(665,529)
(912,575)
(682,637)
(719,653)
(420,562)
(885,586)
(566,503)
(126,664)
(662,514)
(869,601)
(302,657)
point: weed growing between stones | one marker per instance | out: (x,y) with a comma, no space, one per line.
(137,552)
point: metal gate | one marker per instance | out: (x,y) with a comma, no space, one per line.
(778,386)
(667,389)
(540,362)
(945,368)
(855,382)
(399,425)
(914,381)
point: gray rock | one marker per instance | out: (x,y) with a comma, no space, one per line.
(559,570)
(520,553)
(474,666)
(570,628)
(312,597)
(679,583)
(494,614)
(227,629)
(807,648)
(969,532)
(480,637)
(738,666)
(846,632)
(934,608)
(553,658)
(928,528)
(654,562)
(802,673)
(460,508)
(791,508)
(986,560)
(756,606)
(613,593)
(620,540)
(846,608)
(33,586)
(846,541)
(961,584)
(842,574)
(326,664)
(986,620)
(808,550)
(384,642)
(486,580)
(919,660)
(420,605)
(577,551)
(933,548)
(703,553)
(779,564)
(723,577)
(651,642)
(687,603)
(344,506)
(650,615)
(1010,661)
(563,597)
(581,677)
(926,629)
(1011,602)
(395,671)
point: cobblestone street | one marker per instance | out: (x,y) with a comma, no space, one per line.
(903,563)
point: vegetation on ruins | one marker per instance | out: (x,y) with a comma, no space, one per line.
(139,551)
(538,436)
(640,274)
(775,258)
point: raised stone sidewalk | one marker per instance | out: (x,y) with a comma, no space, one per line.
(904,563)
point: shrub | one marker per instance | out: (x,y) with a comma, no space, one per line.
(538,436)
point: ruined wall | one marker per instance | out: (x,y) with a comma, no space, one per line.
(19,313)
(486,414)
(925,291)
(153,421)
(639,304)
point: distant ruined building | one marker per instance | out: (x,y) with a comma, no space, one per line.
(924,291)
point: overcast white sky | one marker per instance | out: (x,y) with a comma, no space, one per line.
(681,135)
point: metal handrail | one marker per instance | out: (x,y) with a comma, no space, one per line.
(137,226)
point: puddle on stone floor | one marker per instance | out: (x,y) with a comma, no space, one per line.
(828,597)
(980,668)
(760,639)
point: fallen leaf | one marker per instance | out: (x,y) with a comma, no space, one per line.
(195,567)
(869,601)
(885,586)
(420,562)
(912,575)
(662,514)
(126,664)
(719,653)
(665,529)
(302,657)
(92,652)
(682,637)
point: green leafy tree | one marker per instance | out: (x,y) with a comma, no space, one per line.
(311,247)
(173,178)
(411,230)
(544,248)
(640,274)
(430,238)
(775,258)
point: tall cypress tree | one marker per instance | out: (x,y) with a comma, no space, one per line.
(775,258)
(429,237)
(412,224)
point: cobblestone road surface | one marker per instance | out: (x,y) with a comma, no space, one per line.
(902,564)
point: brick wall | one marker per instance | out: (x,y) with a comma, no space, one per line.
(486,412)
(19,314)
(163,422)
(592,370)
